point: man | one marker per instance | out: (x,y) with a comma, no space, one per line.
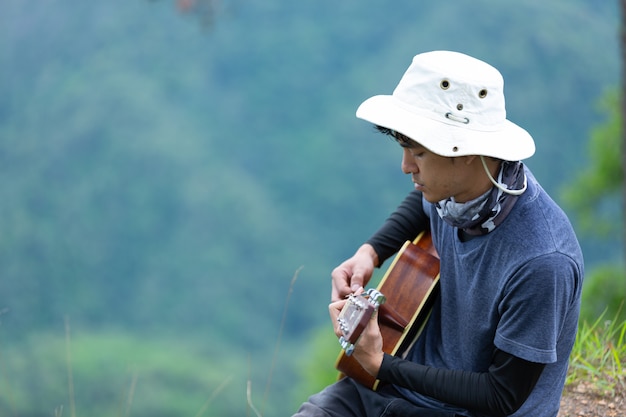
(500,333)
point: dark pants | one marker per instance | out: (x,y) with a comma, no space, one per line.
(347,398)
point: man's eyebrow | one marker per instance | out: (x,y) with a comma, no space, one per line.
(404,141)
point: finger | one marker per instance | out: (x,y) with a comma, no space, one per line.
(340,277)
(357,281)
(334,310)
(339,293)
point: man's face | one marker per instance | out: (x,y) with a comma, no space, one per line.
(437,177)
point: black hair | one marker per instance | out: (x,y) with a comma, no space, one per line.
(385,131)
(402,140)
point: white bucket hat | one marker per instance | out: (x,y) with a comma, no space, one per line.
(453,105)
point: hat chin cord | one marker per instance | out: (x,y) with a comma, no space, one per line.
(501,186)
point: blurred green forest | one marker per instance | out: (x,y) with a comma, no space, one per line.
(163,182)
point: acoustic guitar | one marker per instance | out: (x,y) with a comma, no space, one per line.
(403,299)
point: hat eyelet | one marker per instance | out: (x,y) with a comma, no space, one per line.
(459,107)
(482,93)
(455,149)
(444,84)
(458,119)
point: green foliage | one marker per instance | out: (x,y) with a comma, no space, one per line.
(119,374)
(599,355)
(317,370)
(604,291)
(595,194)
(167,181)
(595,197)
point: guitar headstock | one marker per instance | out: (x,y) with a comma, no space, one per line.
(354,316)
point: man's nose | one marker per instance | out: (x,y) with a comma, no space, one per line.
(408,163)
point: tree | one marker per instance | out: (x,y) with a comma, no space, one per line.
(594,195)
(598,196)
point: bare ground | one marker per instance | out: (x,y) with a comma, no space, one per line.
(583,400)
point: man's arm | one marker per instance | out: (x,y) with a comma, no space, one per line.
(498,392)
(403,224)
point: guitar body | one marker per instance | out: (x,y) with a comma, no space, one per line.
(409,285)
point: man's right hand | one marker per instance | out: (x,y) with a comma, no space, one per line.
(354,273)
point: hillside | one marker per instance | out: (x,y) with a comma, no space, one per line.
(162,181)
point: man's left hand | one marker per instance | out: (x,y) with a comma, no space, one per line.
(368,350)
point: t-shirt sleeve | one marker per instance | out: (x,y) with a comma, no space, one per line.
(549,284)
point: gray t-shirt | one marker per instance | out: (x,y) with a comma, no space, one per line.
(516,289)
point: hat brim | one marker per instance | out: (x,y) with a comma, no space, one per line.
(447,137)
